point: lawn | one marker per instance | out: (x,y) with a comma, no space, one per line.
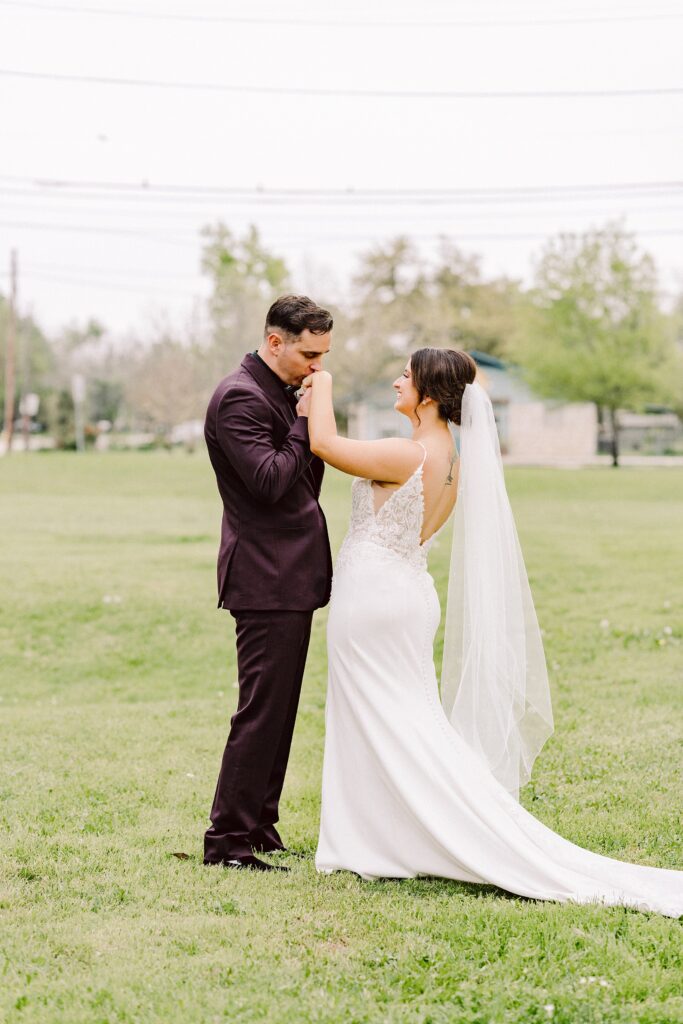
(118,681)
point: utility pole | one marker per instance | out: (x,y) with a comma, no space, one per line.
(26,399)
(10,351)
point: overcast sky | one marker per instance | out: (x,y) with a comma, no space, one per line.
(300,118)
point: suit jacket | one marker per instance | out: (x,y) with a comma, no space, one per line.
(274,552)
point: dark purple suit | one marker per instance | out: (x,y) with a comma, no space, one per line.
(274,569)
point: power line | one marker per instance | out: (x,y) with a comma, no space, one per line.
(133,273)
(146,189)
(339,23)
(92,229)
(108,286)
(496,236)
(214,209)
(561,131)
(287,90)
(58,279)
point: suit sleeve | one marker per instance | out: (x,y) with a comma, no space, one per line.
(242,430)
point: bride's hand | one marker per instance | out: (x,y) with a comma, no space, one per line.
(307,382)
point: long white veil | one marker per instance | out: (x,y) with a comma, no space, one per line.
(494,683)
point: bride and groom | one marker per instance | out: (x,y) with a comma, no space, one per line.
(417,779)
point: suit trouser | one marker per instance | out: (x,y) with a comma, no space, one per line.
(271,655)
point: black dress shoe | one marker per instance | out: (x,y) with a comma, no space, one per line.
(251,864)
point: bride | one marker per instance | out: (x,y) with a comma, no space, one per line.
(417,780)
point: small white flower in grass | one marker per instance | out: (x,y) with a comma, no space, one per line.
(668,630)
(604,982)
(604,623)
(582,981)
(549,1009)
(190,775)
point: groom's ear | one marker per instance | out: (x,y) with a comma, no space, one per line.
(275,341)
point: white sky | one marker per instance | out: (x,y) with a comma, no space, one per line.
(125,260)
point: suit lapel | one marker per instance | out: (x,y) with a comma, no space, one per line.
(277,396)
(271,386)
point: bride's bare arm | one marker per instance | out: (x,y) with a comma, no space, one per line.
(391,460)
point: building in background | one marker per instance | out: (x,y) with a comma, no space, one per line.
(655,432)
(531,430)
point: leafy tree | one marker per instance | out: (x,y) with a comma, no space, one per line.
(34,358)
(162,389)
(675,327)
(105,399)
(470,312)
(76,339)
(595,332)
(245,280)
(390,317)
(402,302)
(76,349)
(61,418)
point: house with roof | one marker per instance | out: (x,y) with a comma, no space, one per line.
(531,429)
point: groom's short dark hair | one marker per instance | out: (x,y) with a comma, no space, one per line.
(297,313)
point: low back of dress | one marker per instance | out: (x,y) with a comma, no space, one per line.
(396,526)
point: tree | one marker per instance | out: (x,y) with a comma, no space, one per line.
(105,399)
(76,350)
(163,388)
(675,326)
(468,311)
(34,357)
(388,320)
(245,280)
(594,332)
(402,302)
(61,418)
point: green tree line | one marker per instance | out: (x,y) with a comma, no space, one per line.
(590,328)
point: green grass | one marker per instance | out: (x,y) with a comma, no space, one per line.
(118,681)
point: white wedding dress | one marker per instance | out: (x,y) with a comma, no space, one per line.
(403,795)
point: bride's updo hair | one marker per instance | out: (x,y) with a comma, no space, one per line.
(441,374)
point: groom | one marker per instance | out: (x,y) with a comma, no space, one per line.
(274,567)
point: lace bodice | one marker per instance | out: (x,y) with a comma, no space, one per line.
(396,526)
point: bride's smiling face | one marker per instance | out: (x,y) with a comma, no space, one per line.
(407,397)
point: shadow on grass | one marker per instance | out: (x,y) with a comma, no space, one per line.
(428,886)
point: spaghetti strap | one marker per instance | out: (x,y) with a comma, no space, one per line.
(425,453)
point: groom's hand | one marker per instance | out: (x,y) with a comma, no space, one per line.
(306,390)
(304,403)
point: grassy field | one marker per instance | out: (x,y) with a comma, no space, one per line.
(118,681)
